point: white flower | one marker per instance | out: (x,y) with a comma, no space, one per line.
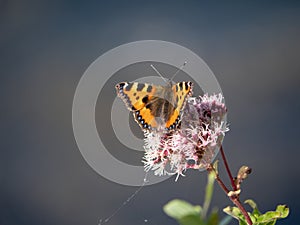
(194,144)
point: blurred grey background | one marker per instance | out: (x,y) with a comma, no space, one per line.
(251,46)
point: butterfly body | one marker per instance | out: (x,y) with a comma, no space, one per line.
(155,107)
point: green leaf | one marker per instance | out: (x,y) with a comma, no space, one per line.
(232,211)
(268,218)
(255,213)
(251,203)
(178,209)
(191,220)
(235,213)
(184,212)
(282,211)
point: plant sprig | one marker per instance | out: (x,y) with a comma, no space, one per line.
(187,214)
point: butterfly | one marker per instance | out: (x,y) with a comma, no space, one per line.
(155,107)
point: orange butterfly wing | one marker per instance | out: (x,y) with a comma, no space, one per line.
(136,96)
(181,91)
(149,102)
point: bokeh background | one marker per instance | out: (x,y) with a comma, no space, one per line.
(251,46)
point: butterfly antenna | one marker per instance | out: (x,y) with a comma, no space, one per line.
(158,73)
(183,65)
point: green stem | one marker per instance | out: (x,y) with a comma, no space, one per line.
(208,194)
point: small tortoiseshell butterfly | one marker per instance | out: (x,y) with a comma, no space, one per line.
(155,107)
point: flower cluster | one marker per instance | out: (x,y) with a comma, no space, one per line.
(194,144)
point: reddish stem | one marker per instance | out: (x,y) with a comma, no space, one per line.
(218,179)
(227,169)
(238,203)
(234,198)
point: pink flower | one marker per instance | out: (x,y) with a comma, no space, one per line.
(194,145)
